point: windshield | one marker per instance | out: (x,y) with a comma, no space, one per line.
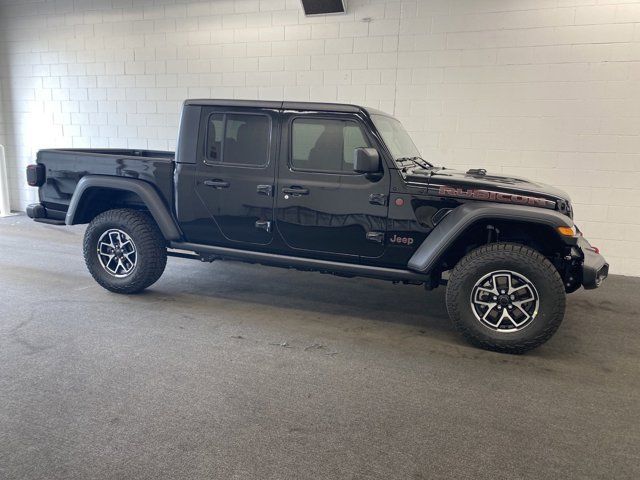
(395,137)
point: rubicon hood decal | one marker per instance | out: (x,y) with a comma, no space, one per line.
(510,187)
(491,196)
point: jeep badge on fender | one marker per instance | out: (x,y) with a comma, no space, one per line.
(308,186)
(399,240)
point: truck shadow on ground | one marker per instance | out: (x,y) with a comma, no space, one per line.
(356,304)
(312,293)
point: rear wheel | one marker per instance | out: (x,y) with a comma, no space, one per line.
(506,297)
(124,250)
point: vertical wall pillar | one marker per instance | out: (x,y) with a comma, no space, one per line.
(4,185)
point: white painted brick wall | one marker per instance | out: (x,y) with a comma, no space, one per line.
(546,89)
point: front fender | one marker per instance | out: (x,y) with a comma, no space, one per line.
(147,193)
(461,218)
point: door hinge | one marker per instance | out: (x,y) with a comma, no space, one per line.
(377,237)
(265,190)
(378,199)
(264,225)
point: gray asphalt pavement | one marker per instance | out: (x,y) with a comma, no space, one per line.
(233,371)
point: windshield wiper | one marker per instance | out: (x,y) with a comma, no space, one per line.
(419,161)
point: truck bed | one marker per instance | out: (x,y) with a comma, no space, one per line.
(117,152)
(65,167)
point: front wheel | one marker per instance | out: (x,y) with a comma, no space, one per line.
(124,250)
(506,297)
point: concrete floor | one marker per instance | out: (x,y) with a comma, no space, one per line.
(191,379)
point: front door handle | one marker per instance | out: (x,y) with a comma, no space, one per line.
(295,191)
(216,183)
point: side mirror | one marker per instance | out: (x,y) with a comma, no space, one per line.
(366,160)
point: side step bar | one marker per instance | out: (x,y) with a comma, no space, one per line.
(272,259)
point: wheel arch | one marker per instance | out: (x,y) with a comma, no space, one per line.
(466,226)
(97,193)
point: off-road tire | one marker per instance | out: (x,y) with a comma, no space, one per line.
(150,245)
(516,258)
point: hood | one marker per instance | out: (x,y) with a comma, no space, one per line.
(476,179)
(478,185)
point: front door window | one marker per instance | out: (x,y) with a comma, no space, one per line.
(323,145)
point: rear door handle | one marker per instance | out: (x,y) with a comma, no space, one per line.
(295,191)
(216,183)
(264,225)
(265,190)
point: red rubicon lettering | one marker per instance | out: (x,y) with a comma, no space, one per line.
(503,197)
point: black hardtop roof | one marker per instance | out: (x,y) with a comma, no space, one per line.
(284,105)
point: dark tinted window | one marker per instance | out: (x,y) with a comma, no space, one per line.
(325,145)
(238,139)
(215,131)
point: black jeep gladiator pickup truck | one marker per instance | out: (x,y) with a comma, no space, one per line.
(333,188)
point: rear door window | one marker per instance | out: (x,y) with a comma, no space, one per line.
(238,139)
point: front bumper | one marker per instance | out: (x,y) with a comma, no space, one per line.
(595,268)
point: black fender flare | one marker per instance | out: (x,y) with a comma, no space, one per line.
(147,193)
(461,218)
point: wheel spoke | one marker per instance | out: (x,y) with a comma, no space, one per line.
(529,297)
(488,304)
(110,243)
(519,303)
(507,316)
(111,259)
(526,316)
(496,277)
(115,238)
(492,292)
(522,287)
(484,317)
(509,283)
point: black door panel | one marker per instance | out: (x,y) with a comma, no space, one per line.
(235,172)
(321,204)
